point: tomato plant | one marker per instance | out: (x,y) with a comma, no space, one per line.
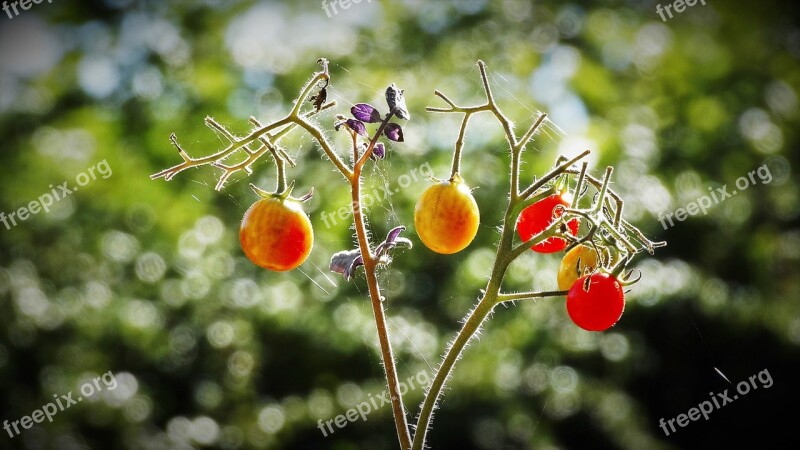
(447,217)
(537,217)
(276,234)
(595,302)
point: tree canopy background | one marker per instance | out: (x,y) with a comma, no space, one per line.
(146,278)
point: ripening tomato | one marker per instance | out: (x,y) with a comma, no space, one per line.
(276,234)
(446,216)
(599,307)
(576,263)
(536,218)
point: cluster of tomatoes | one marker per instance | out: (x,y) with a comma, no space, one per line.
(276,234)
(447,218)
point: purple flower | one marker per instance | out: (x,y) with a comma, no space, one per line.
(357,126)
(366,113)
(394,132)
(379,151)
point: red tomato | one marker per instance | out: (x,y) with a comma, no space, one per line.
(599,307)
(536,218)
(276,234)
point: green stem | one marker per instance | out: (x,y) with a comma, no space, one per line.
(485,306)
(503,297)
(467,332)
(459,145)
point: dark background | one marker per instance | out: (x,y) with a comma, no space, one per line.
(146,278)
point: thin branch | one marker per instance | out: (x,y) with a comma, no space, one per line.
(284,126)
(326,146)
(507,127)
(552,174)
(378,133)
(532,130)
(456,165)
(504,297)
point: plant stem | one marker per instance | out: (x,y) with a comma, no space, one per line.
(460,145)
(503,297)
(467,332)
(370,264)
(281,171)
(485,306)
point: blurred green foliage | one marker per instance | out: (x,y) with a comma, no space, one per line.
(146,278)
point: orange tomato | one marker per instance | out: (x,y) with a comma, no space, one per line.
(447,217)
(276,234)
(578,262)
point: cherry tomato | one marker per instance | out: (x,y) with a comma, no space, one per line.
(576,263)
(536,218)
(276,234)
(446,217)
(599,307)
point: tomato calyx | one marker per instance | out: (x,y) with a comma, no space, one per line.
(286,194)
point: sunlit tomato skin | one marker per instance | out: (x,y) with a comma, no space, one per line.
(536,218)
(276,234)
(599,307)
(446,217)
(575,264)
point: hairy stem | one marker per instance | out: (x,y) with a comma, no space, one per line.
(370,264)
(471,326)
(459,145)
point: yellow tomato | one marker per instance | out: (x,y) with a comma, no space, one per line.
(447,217)
(578,262)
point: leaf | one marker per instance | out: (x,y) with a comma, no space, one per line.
(366,113)
(397,101)
(357,126)
(394,132)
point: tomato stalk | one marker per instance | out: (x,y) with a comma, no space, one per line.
(370,266)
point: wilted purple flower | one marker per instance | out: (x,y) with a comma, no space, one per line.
(393,239)
(346,262)
(366,113)
(394,132)
(397,101)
